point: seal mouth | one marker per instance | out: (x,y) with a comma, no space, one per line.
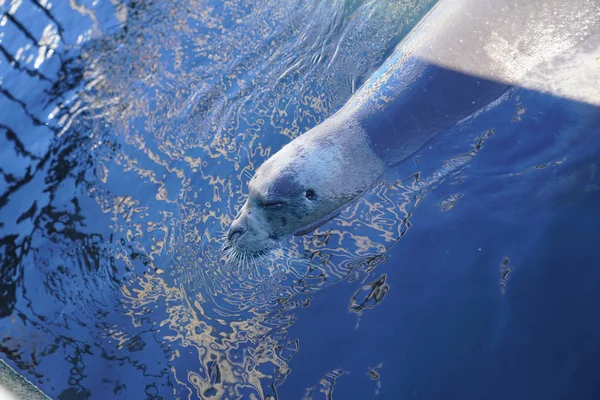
(233,253)
(317,224)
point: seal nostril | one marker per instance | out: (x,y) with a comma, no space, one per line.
(235,233)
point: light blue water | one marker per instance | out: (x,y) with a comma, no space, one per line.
(130,131)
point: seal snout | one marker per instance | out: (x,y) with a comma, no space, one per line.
(247,239)
(238,228)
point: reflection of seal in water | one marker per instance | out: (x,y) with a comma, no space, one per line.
(462,55)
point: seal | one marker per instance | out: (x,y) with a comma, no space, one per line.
(461,56)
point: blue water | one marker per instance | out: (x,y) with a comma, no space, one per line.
(129,133)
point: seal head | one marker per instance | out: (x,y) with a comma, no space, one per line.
(304,185)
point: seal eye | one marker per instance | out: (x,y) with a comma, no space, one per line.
(310,194)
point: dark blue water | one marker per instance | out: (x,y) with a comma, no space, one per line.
(129,132)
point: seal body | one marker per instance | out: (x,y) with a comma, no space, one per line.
(463,55)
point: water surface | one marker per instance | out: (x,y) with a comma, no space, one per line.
(130,132)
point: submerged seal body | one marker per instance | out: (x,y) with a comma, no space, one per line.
(463,55)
